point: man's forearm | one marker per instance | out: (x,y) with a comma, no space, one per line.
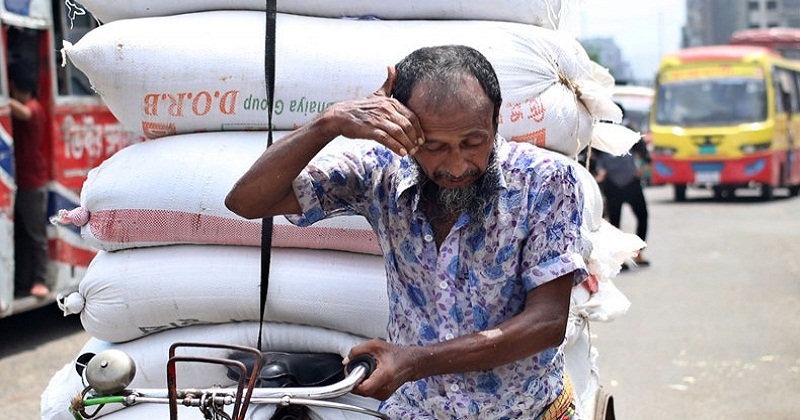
(266,188)
(540,326)
(19,110)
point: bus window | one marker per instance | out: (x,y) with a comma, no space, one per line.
(71,81)
(796,76)
(789,87)
(23,46)
(786,87)
(710,102)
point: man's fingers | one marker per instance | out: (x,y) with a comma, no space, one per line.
(388,84)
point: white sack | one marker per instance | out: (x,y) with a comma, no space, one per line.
(580,356)
(592,198)
(132,293)
(178,74)
(172,191)
(545,13)
(150,354)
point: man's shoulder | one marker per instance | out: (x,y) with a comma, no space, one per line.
(524,156)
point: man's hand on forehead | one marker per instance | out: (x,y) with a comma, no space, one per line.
(381,118)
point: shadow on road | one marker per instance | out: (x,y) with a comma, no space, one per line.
(31,329)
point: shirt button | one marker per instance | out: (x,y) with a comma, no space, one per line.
(443,285)
(454,388)
(449,336)
(428,237)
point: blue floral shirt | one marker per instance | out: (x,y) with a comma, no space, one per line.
(476,279)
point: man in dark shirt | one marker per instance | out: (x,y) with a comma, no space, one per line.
(620,178)
(30,235)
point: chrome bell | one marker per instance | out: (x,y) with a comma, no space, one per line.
(110,371)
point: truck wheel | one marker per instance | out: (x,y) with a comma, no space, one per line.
(767,192)
(604,409)
(723,193)
(680,192)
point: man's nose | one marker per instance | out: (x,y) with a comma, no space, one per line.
(457,164)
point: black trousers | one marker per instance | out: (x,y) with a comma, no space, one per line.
(633,195)
(30,239)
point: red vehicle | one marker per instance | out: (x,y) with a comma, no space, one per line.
(81,132)
(785,41)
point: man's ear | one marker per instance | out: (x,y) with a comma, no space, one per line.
(388,85)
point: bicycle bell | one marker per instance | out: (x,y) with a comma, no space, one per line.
(110,371)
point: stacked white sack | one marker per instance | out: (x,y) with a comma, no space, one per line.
(152,352)
(132,293)
(545,13)
(178,74)
(172,191)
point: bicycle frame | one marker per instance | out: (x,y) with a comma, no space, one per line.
(213,401)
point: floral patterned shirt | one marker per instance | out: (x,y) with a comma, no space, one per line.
(476,279)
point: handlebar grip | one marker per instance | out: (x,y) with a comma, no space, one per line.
(365,360)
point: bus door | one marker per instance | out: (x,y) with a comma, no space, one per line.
(7,193)
(787,111)
(81,132)
(23,23)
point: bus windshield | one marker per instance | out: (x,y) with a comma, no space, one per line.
(712,101)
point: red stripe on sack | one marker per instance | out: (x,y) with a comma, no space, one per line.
(170,226)
(353,240)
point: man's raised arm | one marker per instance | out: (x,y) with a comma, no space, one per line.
(266,188)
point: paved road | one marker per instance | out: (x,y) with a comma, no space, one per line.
(713,331)
(34,345)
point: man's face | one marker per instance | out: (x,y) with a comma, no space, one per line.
(458,149)
(459,135)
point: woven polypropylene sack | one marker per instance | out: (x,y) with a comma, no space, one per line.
(178,74)
(545,13)
(132,293)
(172,191)
(150,354)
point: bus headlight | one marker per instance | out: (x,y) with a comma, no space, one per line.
(750,149)
(666,151)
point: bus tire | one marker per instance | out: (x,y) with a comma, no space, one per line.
(767,192)
(679,191)
(794,190)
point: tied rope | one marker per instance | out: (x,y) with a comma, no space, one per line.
(78,216)
(569,84)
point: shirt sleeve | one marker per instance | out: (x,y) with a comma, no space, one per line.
(556,245)
(338,183)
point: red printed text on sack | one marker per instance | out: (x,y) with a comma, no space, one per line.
(190,103)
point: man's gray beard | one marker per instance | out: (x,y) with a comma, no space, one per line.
(471,199)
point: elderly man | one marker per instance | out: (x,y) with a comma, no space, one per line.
(481,237)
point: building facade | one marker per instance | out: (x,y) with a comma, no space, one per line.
(711,22)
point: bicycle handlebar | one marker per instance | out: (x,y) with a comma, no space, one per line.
(357,370)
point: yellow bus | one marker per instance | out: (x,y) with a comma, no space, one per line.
(725,118)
